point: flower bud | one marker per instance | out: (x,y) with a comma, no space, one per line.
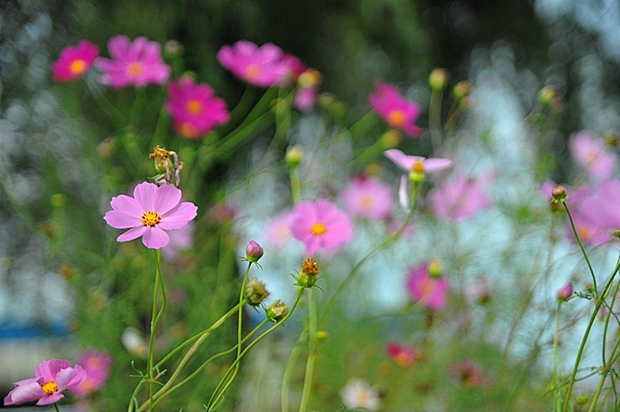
(173,48)
(309,273)
(390,139)
(434,268)
(417,172)
(309,78)
(438,79)
(461,90)
(547,94)
(559,193)
(253,251)
(565,292)
(294,156)
(277,311)
(255,292)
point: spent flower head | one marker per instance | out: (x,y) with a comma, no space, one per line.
(150,213)
(255,292)
(277,311)
(309,274)
(73,62)
(52,378)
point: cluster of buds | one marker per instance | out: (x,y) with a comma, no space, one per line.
(309,274)
(166,164)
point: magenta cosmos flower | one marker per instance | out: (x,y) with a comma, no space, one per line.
(591,154)
(425,289)
(368,197)
(52,377)
(149,213)
(602,207)
(263,66)
(195,108)
(136,63)
(407,162)
(397,112)
(320,225)
(401,355)
(97,366)
(74,61)
(460,198)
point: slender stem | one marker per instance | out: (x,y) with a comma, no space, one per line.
(56,407)
(295,185)
(288,371)
(154,320)
(434,114)
(364,124)
(312,349)
(583,250)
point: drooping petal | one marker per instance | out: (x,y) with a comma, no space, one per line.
(436,164)
(155,238)
(178,217)
(402,160)
(132,234)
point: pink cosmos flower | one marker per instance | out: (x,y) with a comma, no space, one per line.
(401,355)
(263,66)
(460,198)
(320,225)
(278,230)
(368,197)
(52,377)
(195,108)
(428,290)
(591,154)
(407,162)
(398,112)
(585,217)
(149,213)
(97,366)
(467,372)
(74,61)
(602,207)
(306,93)
(135,63)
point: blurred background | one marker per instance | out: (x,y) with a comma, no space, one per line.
(56,183)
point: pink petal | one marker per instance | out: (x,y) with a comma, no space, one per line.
(118,46)
(132,234)
(79,378)
(155,238)
(436,164)
(49,399)
(178,217)
(121,220)
(167,197)
(144,193)
(26,390)
(402,160)
(127,204)
(63,377)
(48,369)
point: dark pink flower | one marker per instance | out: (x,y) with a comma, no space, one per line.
(52,377)
(397,112)
(73,62)
(592,154)
(401,355)
(136,63)
(565,292)
(460,198)
(97,366)
(263,66)
(368,197)
(467,372)
(195,108)
(153,210)
(425,289)
(253,251)
(320,225)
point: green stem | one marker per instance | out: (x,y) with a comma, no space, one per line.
(288,372)
(295,185)
(156,314)
(583,250)
(56,407)
(364,124)
(434,114)
(312,349)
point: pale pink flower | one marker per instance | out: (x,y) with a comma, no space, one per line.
(194,107)
(602,207)
(427,290)
(73,62)
(460,198)
(401,355)
(585,214)
(278,230)
(263,66)
(52,377)
(359,394)
(406,162)
(367,197)
(97,366)
(320,225)
(397,112)
(180,239)
(306,93)
(153,210)
(592,154)
(136,63)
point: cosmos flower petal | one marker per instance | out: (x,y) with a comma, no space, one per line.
(402,160)
(155,238)
(122,220)
(132,234)
(166,198)
(26,390)
(179,216)
(64,377)
(144,193)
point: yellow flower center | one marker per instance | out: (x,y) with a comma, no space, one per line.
(188,130)
(77,67)
(194,106)
(396,118)
(402,358)
(49,387)
(583,231)
(135,69)
(362,399)
(252,71)
(150,218)
(318,229)
(418,167)
(367,201)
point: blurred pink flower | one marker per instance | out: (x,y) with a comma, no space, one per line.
(591,154)
(136,63)
(180,239)
(278,230)
(602,207)
(97,366)
(398,112)
(195,108)
(565,292)
(467,372)
(74,61)
(320,225)
(427,290)
(52,377)
(367,197)
(460,198)
(585,217)
(401,355)
(407,162)
(263,66)
(307,90)
(153,210)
